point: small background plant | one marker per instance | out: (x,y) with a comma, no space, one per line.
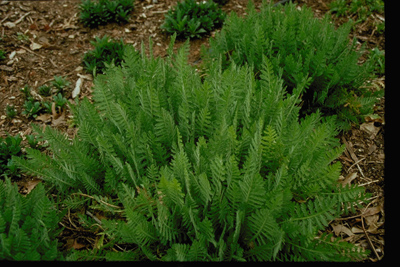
(106,51)
(360,9)
(100,12)
(192,19)
(60,83)
(44,90)
(11,112)
(9,146)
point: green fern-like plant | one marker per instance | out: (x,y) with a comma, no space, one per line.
(191,19)
(28,224)
(189,169)
(301,46)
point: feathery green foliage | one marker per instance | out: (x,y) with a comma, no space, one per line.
(217,169)
(28,224)
(302,47)
(191,19)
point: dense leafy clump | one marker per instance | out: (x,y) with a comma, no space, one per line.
(106,51)
(94,13)
(191,19)
(191,168)
(9,146)
(28,224)
(301,47)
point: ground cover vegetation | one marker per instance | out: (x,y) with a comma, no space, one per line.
(94,13)
(106,51)
(192,19)
(305,48)
(220,165)
(219,169)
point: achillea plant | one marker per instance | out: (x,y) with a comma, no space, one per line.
(302,47)
(188,169)
(28,225)
(192,19)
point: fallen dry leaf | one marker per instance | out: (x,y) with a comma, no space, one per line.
(338,229)
(35,46)
(350,177)
(370,128)
(31,184)
(372,220)
(59,120)
(372,211)
(356,230)
(77,245)
(45,117)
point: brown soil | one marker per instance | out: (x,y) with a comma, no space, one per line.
(48,40)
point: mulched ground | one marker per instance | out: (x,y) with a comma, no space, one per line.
(46,39)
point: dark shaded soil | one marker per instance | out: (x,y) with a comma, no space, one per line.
(48,40)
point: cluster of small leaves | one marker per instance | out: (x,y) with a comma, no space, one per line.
(11,112)
(305,48)
(380,60)
(361,8)
(191,168)
(9,146)
(60,83)
(28,225)
(105,52)
(191,19)
(33,107)
(94,13)
(2,55)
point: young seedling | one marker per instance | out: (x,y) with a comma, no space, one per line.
(44,90)
(26,90)
(32,141)
(105,52)
(60,83)
(9,146)
(31,108)
(11,112)
(60,101)
(47,106)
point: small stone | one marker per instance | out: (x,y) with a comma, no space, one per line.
(12,54)
(9,25)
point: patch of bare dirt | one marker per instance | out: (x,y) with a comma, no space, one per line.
(46,39)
